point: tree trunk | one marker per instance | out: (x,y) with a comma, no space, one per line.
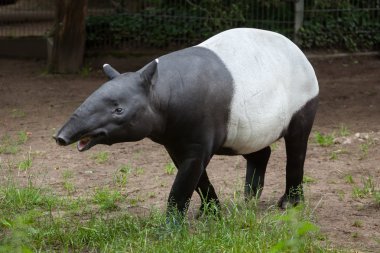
(68,36)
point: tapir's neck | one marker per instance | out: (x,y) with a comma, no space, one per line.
(157,120)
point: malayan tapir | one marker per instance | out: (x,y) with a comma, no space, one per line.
(233,94)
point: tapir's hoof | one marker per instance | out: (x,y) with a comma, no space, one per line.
(287,201)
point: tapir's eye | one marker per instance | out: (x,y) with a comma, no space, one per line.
(119,110)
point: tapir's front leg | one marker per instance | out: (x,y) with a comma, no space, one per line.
(191,162)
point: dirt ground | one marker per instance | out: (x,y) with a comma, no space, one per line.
(32,101)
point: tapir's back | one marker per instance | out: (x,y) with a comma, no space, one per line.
(272,80)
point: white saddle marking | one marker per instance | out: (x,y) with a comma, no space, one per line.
(272,80)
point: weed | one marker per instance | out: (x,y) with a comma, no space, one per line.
(126,169)
(85,71)
(324,140)
(274,146)
(101,157)
(139,171)
(106,198)
(170,168)
(355,235)
(341,195)
(376,197)
(367,190)
(67,174)
(121,176)
(308,180)
(343,131)
(349,179)
(8,145)
(25,164)
(17,113)
(364,148)
(357,223)
(151,195)
(333,155)
(67,184)
(135,201)
(22,137)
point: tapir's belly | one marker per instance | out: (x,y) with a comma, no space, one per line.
(272,80)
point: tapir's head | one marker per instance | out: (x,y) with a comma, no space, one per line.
(118,111)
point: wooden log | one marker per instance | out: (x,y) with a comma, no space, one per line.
(68,36)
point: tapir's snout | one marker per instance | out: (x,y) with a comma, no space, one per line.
(60,140)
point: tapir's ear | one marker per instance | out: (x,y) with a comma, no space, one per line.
(110,72)
(148,72)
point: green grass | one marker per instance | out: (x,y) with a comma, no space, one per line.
(367,190)
(25,164)
(101,157)
(343,131)
(17,113)
(34,220)
(170,168)
(139,171)
(106,198)
(274,146)
(85,71)
(308,180)
(11,145)
(8,145)
(68,185)
(349,179)
(22,137)
(324,140)
(122,174)
(364,148)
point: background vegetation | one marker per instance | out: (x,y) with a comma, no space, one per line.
(344,24)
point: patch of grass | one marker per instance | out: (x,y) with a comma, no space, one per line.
(101,157)
(367,190)
(308,180)
(324,140)
(376,197)
(85,71)
(349,179)
(68,185)
(357,223)
(106,198)
(151,195)
(22,137)
(122,175)
(343,131)
(8,145)
(364,148)
(170,168)
(17,113)
(333,155)
(274,146)
(34,225)
(355,235)
(139,170)
(25,164)
(341,195)
(16,200)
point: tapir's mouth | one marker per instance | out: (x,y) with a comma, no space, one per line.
(88,141)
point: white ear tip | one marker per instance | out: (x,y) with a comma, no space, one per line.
(105,65)
(156,60)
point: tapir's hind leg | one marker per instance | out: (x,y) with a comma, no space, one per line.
(296,138)
(256,166)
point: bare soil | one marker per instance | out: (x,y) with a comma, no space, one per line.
(37,103)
